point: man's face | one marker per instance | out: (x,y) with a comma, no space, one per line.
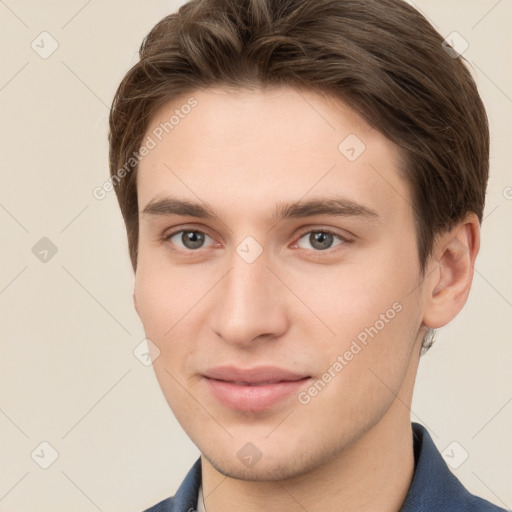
(285,331)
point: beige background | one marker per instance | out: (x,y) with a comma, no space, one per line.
(68,375)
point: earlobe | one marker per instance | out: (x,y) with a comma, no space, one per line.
(451,268)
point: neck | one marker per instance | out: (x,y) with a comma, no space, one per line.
(374,473)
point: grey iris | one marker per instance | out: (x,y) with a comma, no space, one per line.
(320,240)
(192,239)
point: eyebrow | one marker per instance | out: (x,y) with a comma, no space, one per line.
(338,206)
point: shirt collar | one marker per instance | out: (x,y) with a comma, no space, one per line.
(433,488)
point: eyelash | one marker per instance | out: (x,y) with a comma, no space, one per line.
(343,240)
(191,252)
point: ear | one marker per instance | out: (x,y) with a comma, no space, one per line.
(450,272)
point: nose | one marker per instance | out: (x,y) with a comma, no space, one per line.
(249,304)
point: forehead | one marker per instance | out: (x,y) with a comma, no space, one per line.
(239,149)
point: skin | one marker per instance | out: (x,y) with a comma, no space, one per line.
(296,307)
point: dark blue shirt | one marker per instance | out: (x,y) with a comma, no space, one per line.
(434,488)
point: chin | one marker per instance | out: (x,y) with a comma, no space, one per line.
(260,472)
(274,465)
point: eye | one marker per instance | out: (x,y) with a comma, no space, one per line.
(320,240)
(188,239)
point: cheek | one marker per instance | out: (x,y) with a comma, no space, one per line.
(362,366)
(373,313)
(163,301)
(349,299)
(154,302)
(172,302)
(164,294)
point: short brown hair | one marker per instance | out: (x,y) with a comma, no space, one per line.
(382,57)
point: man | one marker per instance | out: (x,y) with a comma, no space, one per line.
(302,184)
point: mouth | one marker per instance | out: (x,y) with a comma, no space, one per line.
(263,383)
(253,389)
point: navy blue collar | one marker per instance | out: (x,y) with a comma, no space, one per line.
(434,488)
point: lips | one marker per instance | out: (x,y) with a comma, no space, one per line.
(252,389)
(263,383)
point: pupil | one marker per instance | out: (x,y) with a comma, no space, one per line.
(320,240)
(192,239)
